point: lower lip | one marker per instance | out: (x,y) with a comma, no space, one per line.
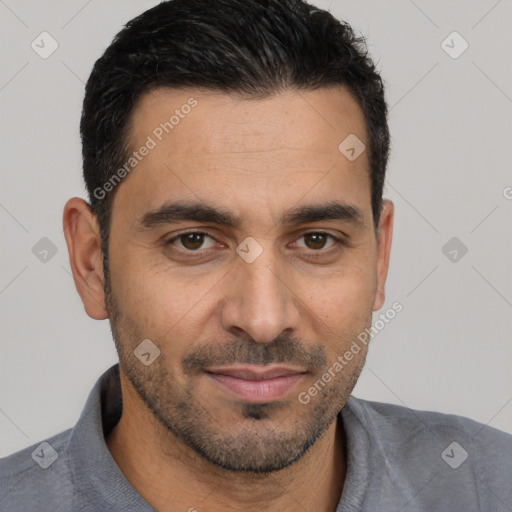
(258,390)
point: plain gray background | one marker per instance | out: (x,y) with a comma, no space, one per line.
(449,349)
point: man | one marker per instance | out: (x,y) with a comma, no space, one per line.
(237,240)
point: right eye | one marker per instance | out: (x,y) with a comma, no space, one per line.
(191,241)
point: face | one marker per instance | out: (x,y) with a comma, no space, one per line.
(242,246)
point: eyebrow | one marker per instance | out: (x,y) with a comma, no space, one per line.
(180,211)
(186,211)
(334,210)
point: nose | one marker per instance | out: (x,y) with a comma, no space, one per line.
(259,299)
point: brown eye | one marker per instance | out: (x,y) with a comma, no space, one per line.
(192,241)
(316,240)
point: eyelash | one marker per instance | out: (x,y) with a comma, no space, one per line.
(194,232)
(311,253)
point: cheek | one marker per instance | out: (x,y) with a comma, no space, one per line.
(344,300)
(165,303)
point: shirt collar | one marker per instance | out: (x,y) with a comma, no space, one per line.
(96,472)
(93,468)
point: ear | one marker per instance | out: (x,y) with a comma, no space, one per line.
(82,234)
(384,235)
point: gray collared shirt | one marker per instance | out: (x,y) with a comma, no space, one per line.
(398,459)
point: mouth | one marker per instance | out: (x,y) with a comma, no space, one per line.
(256,384)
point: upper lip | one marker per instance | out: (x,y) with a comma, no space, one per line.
(252,372)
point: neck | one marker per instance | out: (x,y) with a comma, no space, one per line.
(171,476)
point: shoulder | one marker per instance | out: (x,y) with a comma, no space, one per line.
(29,461)
(401,423)
(38,475)
(413,450)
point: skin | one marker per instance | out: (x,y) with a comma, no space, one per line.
(182,436)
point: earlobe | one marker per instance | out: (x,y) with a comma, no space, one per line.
(82,235)
(384,237)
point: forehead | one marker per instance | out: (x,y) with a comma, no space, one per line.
(228,148)
(310,121)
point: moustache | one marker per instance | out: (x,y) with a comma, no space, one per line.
(283,349)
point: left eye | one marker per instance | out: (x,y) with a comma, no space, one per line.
(192,241)
(317,241)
